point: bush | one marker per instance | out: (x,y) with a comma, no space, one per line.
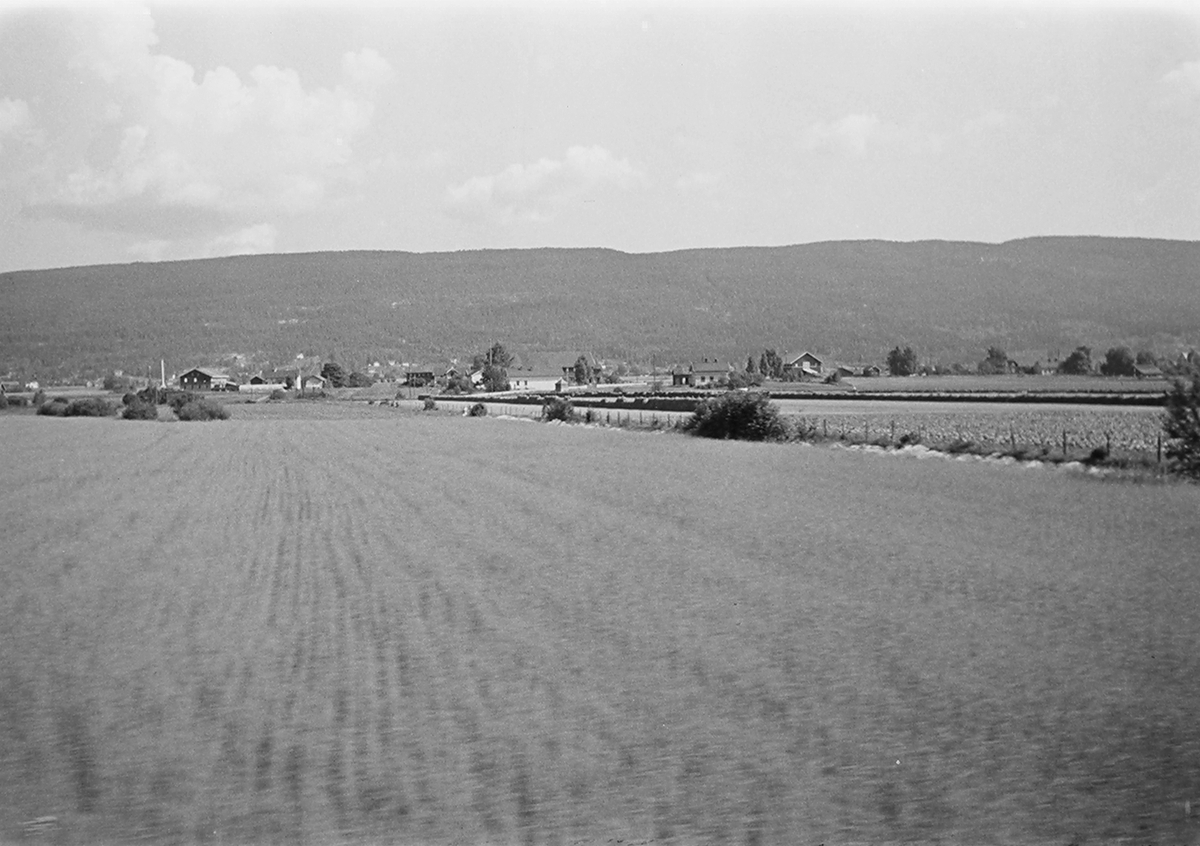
(429,404)
(139,410)
(558,408)
(178,399)
(277,394)
(56,407)
(201,410)
(738,415)
(86,407)
(477,410)
(1181,423)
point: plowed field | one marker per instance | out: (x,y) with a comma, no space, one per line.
(400,628)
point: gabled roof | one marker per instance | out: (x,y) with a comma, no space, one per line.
(792,359)
(210,372)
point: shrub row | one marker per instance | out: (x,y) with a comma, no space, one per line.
(84,407)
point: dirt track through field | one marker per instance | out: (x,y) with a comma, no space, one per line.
(447,630)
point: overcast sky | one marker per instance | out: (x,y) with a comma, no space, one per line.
(177,130)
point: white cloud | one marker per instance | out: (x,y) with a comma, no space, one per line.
(698,180)
(857,134)
(259,238)
(175,151)
(1180,86)
(849,135)
(535,192)
(15,119)
(14,116)
(990,120)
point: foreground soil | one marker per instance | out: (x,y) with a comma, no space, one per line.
(333,624)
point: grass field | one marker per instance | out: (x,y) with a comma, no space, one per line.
(319,624)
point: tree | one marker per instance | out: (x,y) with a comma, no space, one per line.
(359,380)
(1078,363)
(496,355)
(582,371)
(751,367)
(902,362)
(1118,361)
(1146,357)
(996,362)
(1181,423)
(334,374)
(495,378)
(770,365)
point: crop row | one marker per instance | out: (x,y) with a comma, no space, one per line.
(1081,429)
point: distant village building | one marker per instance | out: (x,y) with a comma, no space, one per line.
(282,378)
(420,375)
(707,373)
(1148,371)
(805,364)
(205,379)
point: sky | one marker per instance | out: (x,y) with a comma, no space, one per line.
(144,132)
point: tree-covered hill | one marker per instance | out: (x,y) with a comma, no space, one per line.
(851,300)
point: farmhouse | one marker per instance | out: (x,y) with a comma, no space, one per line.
(313,383)
(530,380)
(420,375)
(805,364)
(707,373)
(1147,371)
(282,378)
(205,379)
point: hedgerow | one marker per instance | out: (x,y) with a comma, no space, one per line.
(85,407)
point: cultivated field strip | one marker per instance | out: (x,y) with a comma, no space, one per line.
(412,629)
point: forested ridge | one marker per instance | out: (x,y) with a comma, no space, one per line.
(851,300)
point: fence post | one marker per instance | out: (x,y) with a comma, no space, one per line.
(825,427)
(1160,447)
(1107,443)
(892,436)
(866,431)
(1012,438)
(1064,443)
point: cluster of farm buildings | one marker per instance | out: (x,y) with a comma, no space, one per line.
(537,373)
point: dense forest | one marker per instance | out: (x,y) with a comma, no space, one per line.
(849,300)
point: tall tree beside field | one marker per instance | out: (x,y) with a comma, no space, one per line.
(582,371)
(495,378)
(1118,361)
(996,362)
(1146,357)
(770,364)
(902,362)
(1078,363)
(496,356)
(334,374)
(1181,423)
(751,367)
